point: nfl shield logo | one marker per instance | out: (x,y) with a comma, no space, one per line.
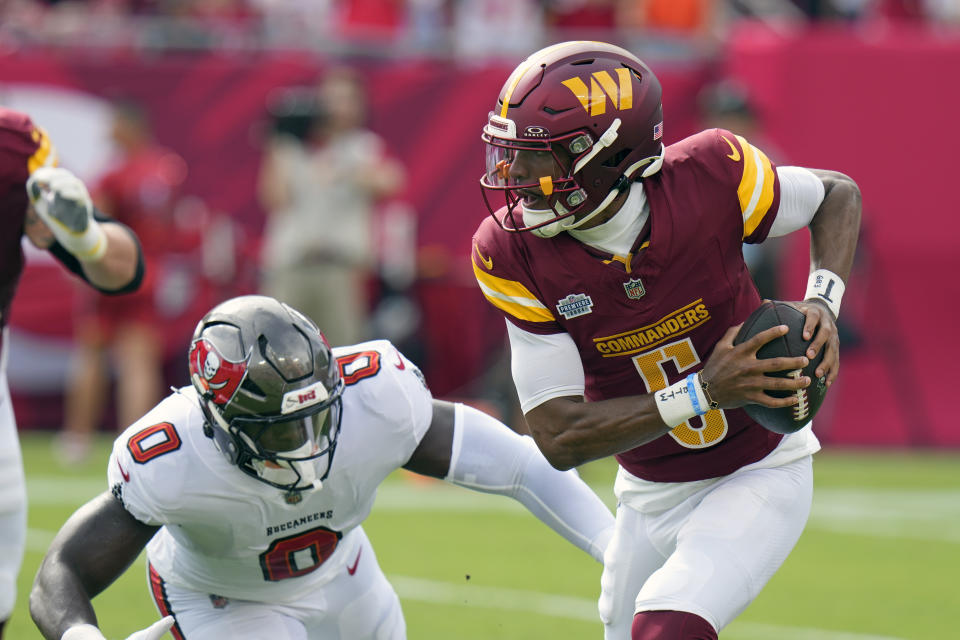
(634,289)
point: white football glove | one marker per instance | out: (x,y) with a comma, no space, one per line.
(90,632)
(62,202)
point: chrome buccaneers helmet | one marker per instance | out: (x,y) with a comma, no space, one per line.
(596,108)
(270,390)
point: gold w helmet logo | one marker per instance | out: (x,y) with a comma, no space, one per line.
(602,86)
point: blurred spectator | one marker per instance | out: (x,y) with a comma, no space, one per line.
(942,12)
(372,19)
(902,10)
(673,28)
(726,105)
(322,176)
(582,14)
(126,335)
(485,29)
(428,24)
(686,17)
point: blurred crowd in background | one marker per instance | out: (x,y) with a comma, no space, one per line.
(463,28)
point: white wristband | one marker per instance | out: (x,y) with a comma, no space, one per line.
(681,401)
(826,286)
(92,245)
(82,632)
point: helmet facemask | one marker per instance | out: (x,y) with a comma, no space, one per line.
(559,188)
(294,451)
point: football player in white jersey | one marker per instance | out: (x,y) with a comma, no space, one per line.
(249,487)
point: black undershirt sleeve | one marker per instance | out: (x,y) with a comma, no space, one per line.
(70,261)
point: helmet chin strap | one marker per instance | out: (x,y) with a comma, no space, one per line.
(608,138)
(593,214)
(653,164)
(532,217)
(536,216)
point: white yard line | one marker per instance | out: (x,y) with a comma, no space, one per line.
(573,608)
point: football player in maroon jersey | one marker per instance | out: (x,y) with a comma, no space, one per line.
(617,263)
(52,208)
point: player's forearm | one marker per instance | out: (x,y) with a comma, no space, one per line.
(118,266)
(58,600)
(562,501)
(571,432)
(92,549)
(835,228)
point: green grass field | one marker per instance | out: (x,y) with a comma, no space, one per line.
(877,562)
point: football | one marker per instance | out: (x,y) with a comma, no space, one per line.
(791,344)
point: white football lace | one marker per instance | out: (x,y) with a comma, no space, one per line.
(802,408)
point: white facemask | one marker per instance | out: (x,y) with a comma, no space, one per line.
(288,470)
(537,216)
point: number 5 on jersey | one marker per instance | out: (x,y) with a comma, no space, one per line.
(712,425)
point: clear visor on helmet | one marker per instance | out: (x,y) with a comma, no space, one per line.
(286,437)
(500,154)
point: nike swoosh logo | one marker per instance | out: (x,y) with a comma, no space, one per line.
(735,156)
(352,570)
(126,476)
(399,364)
(487,262)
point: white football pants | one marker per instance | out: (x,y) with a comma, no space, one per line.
(711,553)
(13,495)
(358,606)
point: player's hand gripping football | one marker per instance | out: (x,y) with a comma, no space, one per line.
(61,201)
(90,632)
(736,376)
(822,326)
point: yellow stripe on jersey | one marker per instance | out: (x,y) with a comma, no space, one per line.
(511,297)
(45,155)
(756,186)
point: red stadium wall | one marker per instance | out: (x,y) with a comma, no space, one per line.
(893,389)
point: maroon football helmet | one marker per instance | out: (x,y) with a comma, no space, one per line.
(597,105)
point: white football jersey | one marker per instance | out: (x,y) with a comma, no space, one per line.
(228,534)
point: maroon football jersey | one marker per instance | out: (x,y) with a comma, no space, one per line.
(644,321)
(23,148)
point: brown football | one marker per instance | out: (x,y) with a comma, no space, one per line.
(791,344)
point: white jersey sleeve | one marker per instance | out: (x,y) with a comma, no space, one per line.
(544,366)
(801,193)
(147,469)
(390,393)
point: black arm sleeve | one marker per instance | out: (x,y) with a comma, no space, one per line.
(70,261)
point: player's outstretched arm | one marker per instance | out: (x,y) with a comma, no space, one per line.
(571,432)
(469,448)
(94,547)
(61,211)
